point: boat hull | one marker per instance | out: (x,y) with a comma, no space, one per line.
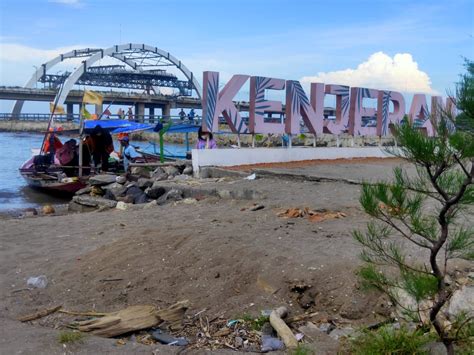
(54,187)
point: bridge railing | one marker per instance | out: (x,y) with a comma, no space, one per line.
(38,117)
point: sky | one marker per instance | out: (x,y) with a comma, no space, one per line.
(409,46)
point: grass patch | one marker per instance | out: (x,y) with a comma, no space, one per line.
(254,323)
(302,349)
(70,337)
(387,341)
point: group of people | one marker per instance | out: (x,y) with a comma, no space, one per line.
(96,148)
(191,115)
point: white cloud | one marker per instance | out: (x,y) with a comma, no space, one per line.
(17,61)
(74,3)
(380,71)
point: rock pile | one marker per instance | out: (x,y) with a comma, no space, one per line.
(142,185)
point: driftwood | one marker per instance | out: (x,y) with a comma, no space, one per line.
(83,314)
(301,317)
(40,314)
(174,315)
(132,319)
(282,329)
(124,321)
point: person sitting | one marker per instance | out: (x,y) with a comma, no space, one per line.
(68,157)
(205,140)
(129,153)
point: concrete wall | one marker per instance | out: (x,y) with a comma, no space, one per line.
(233,157)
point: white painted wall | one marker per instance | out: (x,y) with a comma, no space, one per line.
(244,156)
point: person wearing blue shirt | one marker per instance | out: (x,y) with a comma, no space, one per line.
(129,153)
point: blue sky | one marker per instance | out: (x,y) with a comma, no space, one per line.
(334,40)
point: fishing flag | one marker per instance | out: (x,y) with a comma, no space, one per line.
(91,97)
(86,113)
(59,110)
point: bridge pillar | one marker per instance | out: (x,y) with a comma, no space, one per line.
(166,111)
(139,112)
(70,111)
(151,118)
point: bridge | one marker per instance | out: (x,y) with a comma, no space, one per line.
(139,101)
(143,67)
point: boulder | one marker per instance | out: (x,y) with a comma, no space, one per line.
(76,207)
(181,177)
(93,201)
(171,195)
(160,177)
(188,170)
(171,170)
(338,333)
(140,171)
(137,194)
(155,191)
(104,179)
(121,179)
(114,191)
(143,183)
(85,191)
(157,171)
(461,301)
(122,206)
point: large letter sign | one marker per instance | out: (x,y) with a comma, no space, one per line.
(357,111)
(384,116)
(298,105)
(310,111)
(341,124)
(216,102)
(258,105)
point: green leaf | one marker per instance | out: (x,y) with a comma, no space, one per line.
(419,285)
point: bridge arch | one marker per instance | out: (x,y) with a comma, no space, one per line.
(116,52)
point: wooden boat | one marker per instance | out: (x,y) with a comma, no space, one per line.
(51,179)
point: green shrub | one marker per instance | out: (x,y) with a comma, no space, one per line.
(387,341)
(69,337)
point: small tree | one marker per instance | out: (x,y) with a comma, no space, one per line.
(431,211)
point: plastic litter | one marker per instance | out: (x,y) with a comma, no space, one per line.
(251,177)
(37,281)
(299,336)
(266,312)
(233,322)
(168,339)
(270,343)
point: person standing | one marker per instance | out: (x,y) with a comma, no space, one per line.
(191,115)
(103,146)
(182,115)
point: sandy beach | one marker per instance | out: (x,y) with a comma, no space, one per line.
(215,252)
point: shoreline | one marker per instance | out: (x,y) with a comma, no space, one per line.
(223,139)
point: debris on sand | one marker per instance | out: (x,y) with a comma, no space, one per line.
(134,318)
(312,215)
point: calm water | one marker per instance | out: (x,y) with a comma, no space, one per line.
(16,149)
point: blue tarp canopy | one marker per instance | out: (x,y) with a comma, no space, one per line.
(125,126)
(117,126)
